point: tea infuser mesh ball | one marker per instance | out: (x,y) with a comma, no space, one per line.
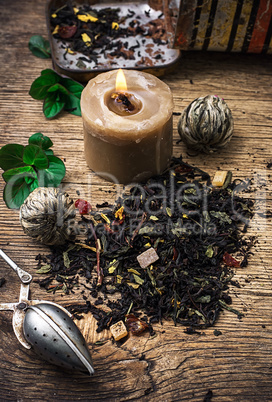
(47,327)
(206,125)
(47,215)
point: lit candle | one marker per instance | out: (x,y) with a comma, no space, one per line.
(127,125)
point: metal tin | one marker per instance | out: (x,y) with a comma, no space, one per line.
(220,25)
(146,56)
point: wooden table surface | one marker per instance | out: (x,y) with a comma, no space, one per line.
(173,366)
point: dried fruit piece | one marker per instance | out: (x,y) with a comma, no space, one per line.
(219,178)
(66,32)
(230,261)
(135,325)
(118,330)
(148,257)
(83,206)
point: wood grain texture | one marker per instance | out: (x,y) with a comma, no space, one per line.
(173,366)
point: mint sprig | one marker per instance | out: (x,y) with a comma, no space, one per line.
(57,92)
(28,167)
(39,47)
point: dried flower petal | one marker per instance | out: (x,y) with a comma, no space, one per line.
(230,261)
(119,214)
(86,18)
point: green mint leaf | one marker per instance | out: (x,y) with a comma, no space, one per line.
(72,102)
(15,192)
(42,141)
(11,156)
(34,155)
(24,171)
(53,105)
(58,87)
(47,71)
(40,86)
(72,105)
(29,167)
(39,47)
(33,185)
(53,175)
(30,180)
(57,92)
(74,87)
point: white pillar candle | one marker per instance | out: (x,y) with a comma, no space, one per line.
(127,132)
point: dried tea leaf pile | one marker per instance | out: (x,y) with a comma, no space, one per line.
(197,231)
(131,35)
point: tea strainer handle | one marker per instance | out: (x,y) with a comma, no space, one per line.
(24,276)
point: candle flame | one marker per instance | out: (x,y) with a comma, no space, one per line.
(121,84)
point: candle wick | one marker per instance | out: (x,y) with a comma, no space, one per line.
(123,99)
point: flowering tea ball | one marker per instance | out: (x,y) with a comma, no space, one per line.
(47,215)
(206,124)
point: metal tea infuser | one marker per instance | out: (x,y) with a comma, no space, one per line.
(47,327)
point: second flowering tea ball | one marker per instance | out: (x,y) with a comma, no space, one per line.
(47,215)
(206,125)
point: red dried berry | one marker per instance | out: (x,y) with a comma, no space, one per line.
(67,32)
(83,206)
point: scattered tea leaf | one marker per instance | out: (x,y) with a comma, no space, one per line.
(209,252)
(134,271)
(66,259)
(222,216)
(225,306)
(153,218)
(44,269)
(113,266)
(133,285)
(138,280)
(168,211)
(204,299)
